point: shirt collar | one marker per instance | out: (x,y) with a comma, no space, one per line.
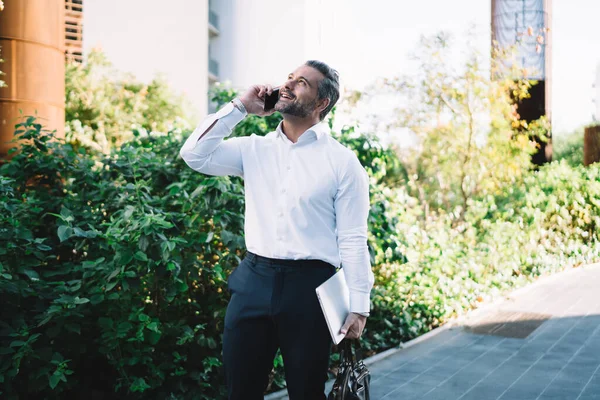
(317,131)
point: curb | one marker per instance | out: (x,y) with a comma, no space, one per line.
(281,394)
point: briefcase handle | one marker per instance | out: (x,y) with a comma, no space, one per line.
(350,351)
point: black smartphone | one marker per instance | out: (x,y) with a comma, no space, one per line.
(271,100)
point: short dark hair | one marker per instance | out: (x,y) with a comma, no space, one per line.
(329,86)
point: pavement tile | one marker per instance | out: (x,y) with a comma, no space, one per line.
(521,393)
(407,391)
(485,390)
(560,393)
(558,361)
(382,387)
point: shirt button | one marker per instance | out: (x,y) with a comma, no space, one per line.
(279,238)
(280,214)
(283,190)
(288,168)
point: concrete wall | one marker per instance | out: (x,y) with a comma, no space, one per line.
(597,93)
(147,37)
(263,41)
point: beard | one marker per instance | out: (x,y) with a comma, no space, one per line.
(297,109)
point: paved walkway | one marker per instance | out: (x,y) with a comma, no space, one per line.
(542,343)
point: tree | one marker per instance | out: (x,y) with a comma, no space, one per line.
(105,107)
(464,120)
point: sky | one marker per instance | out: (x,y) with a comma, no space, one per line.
(371,39)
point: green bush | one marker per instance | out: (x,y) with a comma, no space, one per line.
(113,270)
(569,147)
(548,221)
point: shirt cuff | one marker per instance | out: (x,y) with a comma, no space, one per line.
(360,302)
(229,115)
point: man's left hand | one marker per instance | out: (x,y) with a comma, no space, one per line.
(354,325)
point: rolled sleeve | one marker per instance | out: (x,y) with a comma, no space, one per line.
(351,212)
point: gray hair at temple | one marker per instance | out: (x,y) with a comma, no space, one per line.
(329,86)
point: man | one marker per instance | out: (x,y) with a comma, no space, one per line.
(307,203)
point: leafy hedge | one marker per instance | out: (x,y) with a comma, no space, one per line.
(547,222)
(113,268)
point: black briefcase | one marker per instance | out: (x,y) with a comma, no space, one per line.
(353,378)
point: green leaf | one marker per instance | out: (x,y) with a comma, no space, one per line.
(79,232)
(143,243)
(128,211)
(113,296)
(143,317)
(17,343)
(115,272)
(124,327)
(64,232)
(227,237)
(123,257)
(197,192)
(34,337)
(139,385)
(140,256)
(54,379)
(66,214)
(153,326)
(166,253)
(34,276)
(81,300)
(97,299)
(152,337)
(182,286)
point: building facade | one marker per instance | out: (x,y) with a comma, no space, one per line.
(527,25)
(74,30)
(597,97)
(262,41)
(150,37)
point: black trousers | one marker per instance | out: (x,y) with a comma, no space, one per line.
(274,305)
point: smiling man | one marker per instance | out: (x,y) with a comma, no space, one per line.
(307,203)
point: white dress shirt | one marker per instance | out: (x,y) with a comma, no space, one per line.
(304,200)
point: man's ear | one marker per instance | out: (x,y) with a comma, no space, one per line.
(323,104)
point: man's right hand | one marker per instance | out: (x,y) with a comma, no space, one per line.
(254,100)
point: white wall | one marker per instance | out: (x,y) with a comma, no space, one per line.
(597,93)
(150,36)
(262,41)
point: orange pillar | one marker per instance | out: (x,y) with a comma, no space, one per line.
(32,36)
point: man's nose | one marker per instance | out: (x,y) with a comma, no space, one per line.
(289,84)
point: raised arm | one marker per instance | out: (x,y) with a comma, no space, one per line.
(207,152)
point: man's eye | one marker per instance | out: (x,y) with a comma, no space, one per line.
(302,82)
